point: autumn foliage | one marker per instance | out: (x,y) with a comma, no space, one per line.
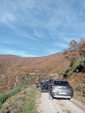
(76,55)
(76,50)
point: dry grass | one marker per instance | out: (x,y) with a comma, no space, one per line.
(23,102)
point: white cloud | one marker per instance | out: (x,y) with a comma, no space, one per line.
(52,51)
(16,52)
(71,38)
(61,45)
(37,34)
(7,17)
(34,14)
(56,20)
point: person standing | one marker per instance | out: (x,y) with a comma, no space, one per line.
(37,82)
(45,80)
(46,83)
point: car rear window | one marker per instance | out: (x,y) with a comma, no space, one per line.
(61,83)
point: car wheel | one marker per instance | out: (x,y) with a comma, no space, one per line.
(69,99)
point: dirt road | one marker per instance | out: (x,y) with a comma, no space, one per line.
(57,105)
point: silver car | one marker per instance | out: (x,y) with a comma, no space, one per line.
(60,89)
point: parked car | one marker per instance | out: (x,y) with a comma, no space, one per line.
(60,89)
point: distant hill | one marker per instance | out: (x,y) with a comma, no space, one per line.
(16,70)
(52,61)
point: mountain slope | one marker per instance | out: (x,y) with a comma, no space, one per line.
(14,70)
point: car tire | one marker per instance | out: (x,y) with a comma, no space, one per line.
(69,99)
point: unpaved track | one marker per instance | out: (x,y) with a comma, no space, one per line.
(57,105)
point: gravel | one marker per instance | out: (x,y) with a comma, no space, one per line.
(57,105)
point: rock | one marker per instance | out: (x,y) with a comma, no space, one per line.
(6,105)
(7,111)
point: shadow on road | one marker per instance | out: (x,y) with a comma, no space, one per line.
(44,91)
(60,98)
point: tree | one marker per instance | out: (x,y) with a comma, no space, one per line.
(73,44)
(82,48)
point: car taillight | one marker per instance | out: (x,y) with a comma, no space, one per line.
(70,87)
(52,86)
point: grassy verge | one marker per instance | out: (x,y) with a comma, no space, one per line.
(5,96)
(23,102)
(78,93)
(78,96)
(30,105)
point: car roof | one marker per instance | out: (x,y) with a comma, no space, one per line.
(59,80)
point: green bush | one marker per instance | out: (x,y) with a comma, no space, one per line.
(24,87)
(71,63)
(69,69)
(1,105)
(61,73)
(5,96)
(14,91)
(78,88)
(2,109)
(70,73)
(79,64)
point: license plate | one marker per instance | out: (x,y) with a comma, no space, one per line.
(62,93)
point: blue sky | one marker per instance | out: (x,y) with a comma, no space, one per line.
(35,28)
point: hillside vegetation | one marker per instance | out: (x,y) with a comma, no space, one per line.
(75,72)
(76,54)
(22,100)
(17,73)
